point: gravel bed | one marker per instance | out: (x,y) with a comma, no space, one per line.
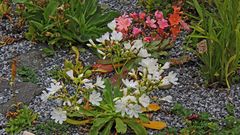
(124,6)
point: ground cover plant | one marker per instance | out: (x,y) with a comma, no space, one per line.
(130,72)
(4,8)
(67,21)
(24,119)
(203,123)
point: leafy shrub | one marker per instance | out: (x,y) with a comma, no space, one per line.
(51,128)
(219,51)
(65,21)
(23,120)
(27,74)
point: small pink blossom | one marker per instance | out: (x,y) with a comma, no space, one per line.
(147,39)
(142,15)
(136,31)
(134,15)
(163,23)
(151,22)
(123,22)
(158,15)
(185,25)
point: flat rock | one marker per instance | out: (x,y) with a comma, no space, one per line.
(33,59)
(24,92)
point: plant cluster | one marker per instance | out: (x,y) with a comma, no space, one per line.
(27,74)
(151,27)
(4,8)
(104,105)
(114,50)
(203,123)
(66,21)
(51,128)
(219,33)
(23,120)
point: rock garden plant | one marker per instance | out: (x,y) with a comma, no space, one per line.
(83,99)
(67,21)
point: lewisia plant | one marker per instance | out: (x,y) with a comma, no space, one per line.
(82,99)
(151,27)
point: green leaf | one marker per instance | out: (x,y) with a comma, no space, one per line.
(107,129)
(144,118)
(50,9)
(98,123)
(82,112)
(107,93)
(77,122)
(138,129)
(198,8)
(89,7)
(120,126)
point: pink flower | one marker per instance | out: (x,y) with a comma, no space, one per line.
(185,25)
(163,23)
(123,22)
(134,15)
(136,31)
(151,22)
(142,15)
(158,15)
(147,39)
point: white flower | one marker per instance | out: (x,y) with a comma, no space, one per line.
(124,90)
(103,38)
(58,115)
(129,98)
(44,96)
(154,77)
(67,103)
(100,82)
(172,78)
(134,110)
(130,84)
(143,53)
(166,65)
(91,43)
(165,81)
(86,80)
(151,65)
(95,98)
(127,45)
(101,52)
(167,98)
(117,36)
(120,107)
(144,100)
(80,100)
(137,44)
(54,87)
(112,25)
(136,92)
(87,83)
(70,74)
